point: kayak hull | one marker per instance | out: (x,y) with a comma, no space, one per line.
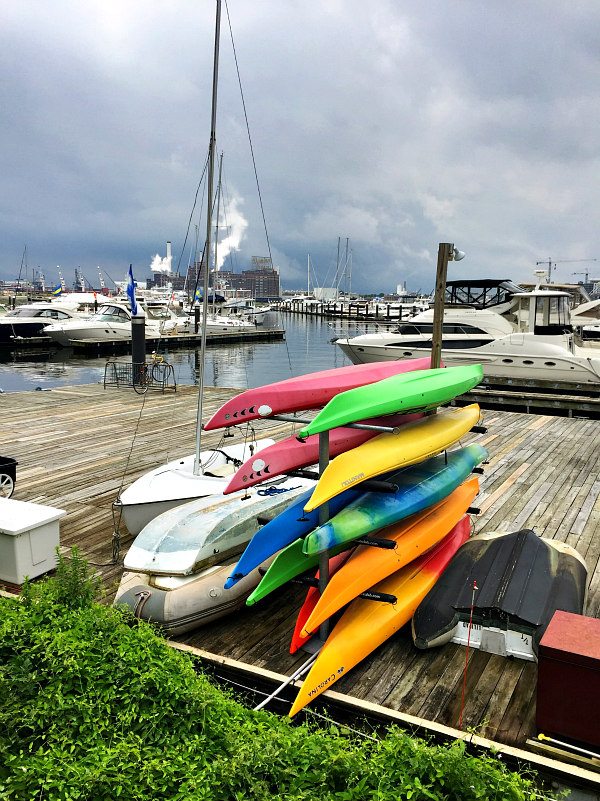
(413,537)
(309,391)
(419,487)
(410,444)
(414,391)
(366,624)
(293,454)
(287,526)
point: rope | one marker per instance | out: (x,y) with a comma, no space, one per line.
(262,210)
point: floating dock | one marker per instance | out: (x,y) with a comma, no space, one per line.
(181,340)
(77,446)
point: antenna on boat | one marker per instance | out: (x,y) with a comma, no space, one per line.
(205,266)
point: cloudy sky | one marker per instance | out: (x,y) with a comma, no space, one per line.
(391,125)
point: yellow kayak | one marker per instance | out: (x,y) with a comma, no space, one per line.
(413,537)
(412,443)
(366,624)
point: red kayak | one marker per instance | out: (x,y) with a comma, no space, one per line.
(312,597)
(293,454)
(306,391)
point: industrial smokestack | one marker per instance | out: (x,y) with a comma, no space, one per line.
(169,256)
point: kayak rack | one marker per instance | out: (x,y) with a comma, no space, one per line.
(290,418)
(323,578)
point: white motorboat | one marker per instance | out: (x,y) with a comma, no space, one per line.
(112,322)
(30,320)
(177,482)
(513,334)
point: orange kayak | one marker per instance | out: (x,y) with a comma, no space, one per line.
(365,625)
(413,537)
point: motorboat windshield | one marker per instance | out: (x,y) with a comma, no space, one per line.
(112,313)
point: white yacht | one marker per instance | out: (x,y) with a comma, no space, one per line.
(30,320)
(112,322)
(513,334)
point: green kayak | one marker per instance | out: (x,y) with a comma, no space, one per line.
(288,564)
(415,391)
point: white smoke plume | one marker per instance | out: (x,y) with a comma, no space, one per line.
(161,265)
(236,225)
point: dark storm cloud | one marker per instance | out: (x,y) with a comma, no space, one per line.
(395,125)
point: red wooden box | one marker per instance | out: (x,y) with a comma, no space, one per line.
(568,687)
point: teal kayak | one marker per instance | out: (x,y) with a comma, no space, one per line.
(419,487)
(371,512)
(415,391)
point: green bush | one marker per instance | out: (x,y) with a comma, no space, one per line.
(94,705)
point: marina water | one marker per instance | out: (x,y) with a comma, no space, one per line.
(307,347)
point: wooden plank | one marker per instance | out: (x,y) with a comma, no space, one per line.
(78,446)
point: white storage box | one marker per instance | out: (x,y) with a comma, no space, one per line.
(29,536)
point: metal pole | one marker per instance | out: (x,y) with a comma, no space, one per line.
(323,518)
(444,255)
(211,176)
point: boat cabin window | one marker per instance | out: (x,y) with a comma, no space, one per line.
(447,344)
(28,311)
(447,328)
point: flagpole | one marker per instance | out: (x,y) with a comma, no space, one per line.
(206,266)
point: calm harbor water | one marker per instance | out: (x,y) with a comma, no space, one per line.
(307,347)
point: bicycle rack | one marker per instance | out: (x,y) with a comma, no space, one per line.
(141,377)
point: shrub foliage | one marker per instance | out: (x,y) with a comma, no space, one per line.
(94,705)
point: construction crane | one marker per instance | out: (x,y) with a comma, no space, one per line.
(552,265)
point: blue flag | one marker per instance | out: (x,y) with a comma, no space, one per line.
(131,291)
(56,291)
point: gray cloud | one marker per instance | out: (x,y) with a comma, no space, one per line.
(396,125)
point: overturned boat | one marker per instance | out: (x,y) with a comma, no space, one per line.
(176,567)
(499,592)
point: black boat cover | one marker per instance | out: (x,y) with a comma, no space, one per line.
(521,580)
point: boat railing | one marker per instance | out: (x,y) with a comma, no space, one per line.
(155,374)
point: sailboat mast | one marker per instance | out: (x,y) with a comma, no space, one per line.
(216,267)
(206,268)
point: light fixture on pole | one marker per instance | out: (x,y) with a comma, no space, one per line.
(446,252)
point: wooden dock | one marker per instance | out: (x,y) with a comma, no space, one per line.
(77,446)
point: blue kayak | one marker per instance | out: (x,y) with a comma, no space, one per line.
(288,526)
(419,487)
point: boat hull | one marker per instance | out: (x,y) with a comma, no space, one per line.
(202,532)
(413,537)
(180,607)
(367,624)
(410,444)
(309,391)
(520,581)
(513,358)
(175,483)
